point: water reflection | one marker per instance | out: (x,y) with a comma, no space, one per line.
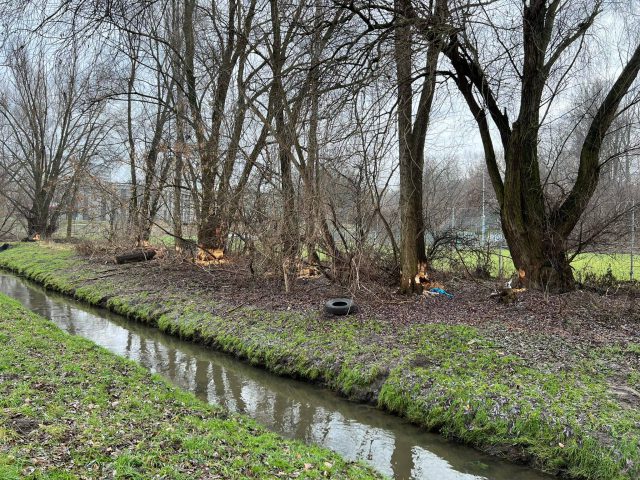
(293,409)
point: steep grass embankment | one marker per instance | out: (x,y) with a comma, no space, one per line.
(70,409)
(446,378)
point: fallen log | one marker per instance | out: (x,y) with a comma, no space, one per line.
(136,256)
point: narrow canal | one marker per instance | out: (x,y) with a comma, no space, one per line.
(291,408)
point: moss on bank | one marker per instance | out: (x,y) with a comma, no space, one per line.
(447,378)
(70,409)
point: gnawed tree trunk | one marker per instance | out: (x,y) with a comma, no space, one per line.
(216,170)
(411,139)
(538,252)
(410,169)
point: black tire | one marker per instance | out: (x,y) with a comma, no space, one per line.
(340,306)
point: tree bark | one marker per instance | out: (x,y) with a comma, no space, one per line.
(133,199)
(177,179)
(410,183)
(138,256)
(411,138)
(284,136)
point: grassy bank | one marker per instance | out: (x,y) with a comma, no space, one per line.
(450,378)
(70,409)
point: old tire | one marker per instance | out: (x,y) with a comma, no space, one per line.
(340,306)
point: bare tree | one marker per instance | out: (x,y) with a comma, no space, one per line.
(52,128)
(553,34)
(217,167)
(413,41)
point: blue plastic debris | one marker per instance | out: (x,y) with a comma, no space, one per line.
(440,291)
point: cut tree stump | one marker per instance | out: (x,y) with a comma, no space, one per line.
(136,256)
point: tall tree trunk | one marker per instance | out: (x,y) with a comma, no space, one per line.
(411,139)
(284,136)
(289,214)
(410,183)
(180,106)
(310,170)
(71,205)
(133,200)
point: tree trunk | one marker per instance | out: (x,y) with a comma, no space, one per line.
(69,225)
(211,229)
(136,256)
(538,252)
(133,200)
(70,208)
(411,141)
(537,234)
(41,220)
(310,173)
(540,257)
(285,138)
(289,214)
(35,226)
(177,181)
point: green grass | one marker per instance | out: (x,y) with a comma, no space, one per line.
(599,264)
(447,378)
(70,409)
(585,265)
(456,381)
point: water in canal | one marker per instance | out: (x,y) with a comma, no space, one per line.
(291,408)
